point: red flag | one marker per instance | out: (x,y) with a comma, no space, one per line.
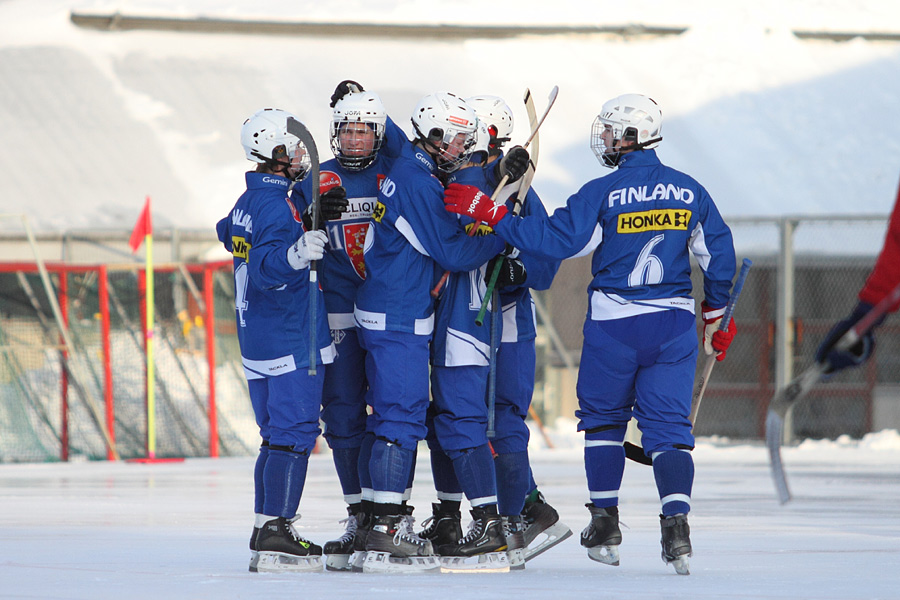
(143,227)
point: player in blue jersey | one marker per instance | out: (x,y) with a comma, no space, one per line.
(515,368)
(411,241)
(365,142)
(272,252)
(642,222)
(460,452)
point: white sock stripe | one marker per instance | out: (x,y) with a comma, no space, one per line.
(368,494)
(482,501)
(352,498)
(592,443)
(450,497)
(675,498)
(655,454)
(407,494)
(604,495)
(383,497)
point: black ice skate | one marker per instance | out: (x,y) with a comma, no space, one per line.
(483,548)
(514,530)
(338,552)
(254,555)
(543,529)
(282,549)
(603,536)
(393,547)
(364,522)
(442,527)
(676,542)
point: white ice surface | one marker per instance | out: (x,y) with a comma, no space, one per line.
(116,530)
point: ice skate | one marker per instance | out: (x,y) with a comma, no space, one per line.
(676,542)
(442,527)
(514,530)
(358,557)
(393,547)
(603,536)
(543,529)
(482,549)
(281,549)
(338,552)
(254,555)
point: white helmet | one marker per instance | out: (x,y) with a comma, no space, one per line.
(481,150)
(266,140)
(446,126)
(494,111)
(630,118)
(360,107)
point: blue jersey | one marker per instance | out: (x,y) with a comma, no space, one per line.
(271,298)
(518,307)
(343,269)
(411,241)
(642,221)
(458,341)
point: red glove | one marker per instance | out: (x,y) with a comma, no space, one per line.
(470,201)
(715,339)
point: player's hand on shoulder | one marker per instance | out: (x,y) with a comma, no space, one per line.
(347,86)
(309,247)
(470,201)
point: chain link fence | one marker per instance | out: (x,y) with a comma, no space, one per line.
(805,277)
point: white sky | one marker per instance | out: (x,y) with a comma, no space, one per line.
(771,124)
(107,531)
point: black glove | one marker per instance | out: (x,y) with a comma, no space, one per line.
(332,203)
(856,354)
(347,86)
(514,163)
(512,272)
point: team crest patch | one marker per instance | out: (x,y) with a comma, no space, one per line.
(354,241)
(337,336)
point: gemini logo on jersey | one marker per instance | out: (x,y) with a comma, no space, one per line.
(653,220)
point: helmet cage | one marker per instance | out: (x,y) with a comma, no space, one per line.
(350,158)
(360,107)
(632,119)
(446,127)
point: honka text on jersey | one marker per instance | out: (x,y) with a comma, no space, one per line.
(239,247)
(653,220)
(661,191)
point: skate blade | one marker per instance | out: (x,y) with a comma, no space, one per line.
(608,555)
(681,564)
(254,561)
(546,539)
(383,562)
(492,562)
(277,562)
(516,559)
(356,561)
(337,562)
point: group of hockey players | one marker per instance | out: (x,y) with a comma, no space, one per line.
(397,241)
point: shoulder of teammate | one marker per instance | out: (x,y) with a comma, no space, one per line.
(395,139)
